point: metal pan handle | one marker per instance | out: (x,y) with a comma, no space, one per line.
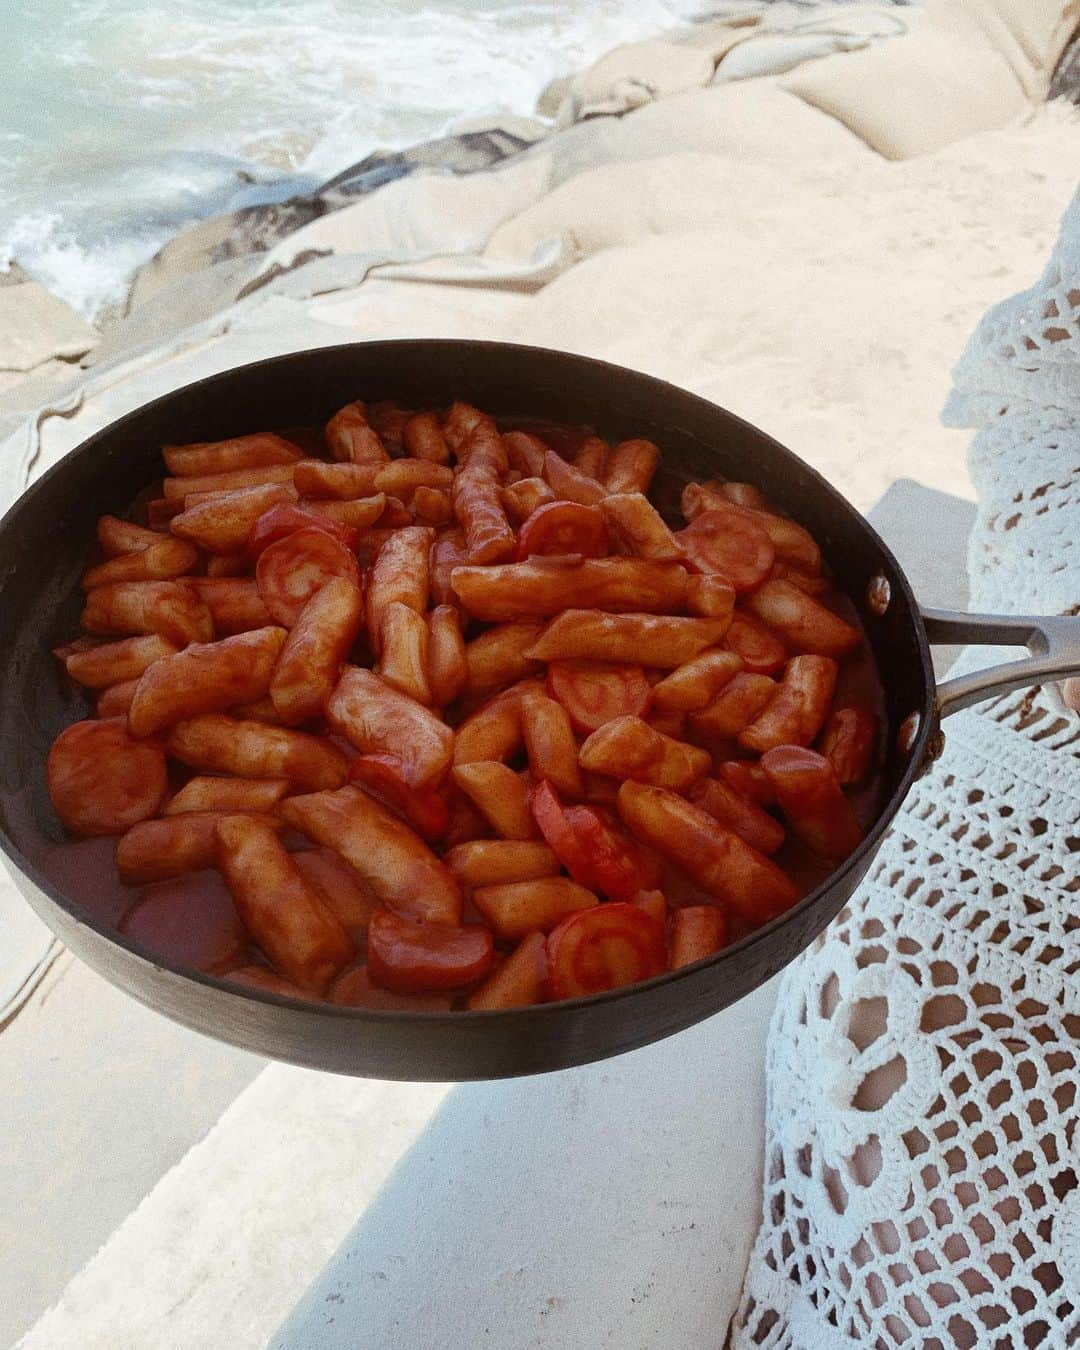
(1053,641)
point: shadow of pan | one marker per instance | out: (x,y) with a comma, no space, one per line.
(610,1204)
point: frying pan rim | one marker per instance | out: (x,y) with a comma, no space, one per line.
(509,1016)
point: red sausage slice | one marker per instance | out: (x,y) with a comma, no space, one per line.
(564,527)
(618,866)
(292,570)
(190,922)
(281,521)
(421,958)
(730,543)
(595,692)
(596,853)
(559,834)
(101,780)
(604,948)
(761,650)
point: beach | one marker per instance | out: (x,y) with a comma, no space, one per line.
(689,205)
(123,122)
(683,205)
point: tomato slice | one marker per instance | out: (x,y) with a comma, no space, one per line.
(558,528)
(725,541)
(421,807)
(281,521)
(292,570)
(595,692)
(559,834)
(604,948)
(619,867)
(761,650)
(422,958)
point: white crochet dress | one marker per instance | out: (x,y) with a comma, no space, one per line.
(922,1156)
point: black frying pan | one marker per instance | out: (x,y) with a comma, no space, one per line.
(44,541)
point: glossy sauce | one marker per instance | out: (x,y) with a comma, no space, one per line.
(191,920)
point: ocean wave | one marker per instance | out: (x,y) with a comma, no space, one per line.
(87,250)
(89,276)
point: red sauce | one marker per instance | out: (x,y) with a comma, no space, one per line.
(191,920)
(353,989)
(567,440)
(86,870)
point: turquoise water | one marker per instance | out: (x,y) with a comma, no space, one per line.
(123,120)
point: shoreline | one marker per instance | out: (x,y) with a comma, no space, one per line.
(296,194)
(222,260)
(220,111)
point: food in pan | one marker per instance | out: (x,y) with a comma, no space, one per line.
(428,711)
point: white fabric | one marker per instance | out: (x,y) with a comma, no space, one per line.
(924,1061)
(921,1201)
(1025,354)
(1018,382)
(965,66)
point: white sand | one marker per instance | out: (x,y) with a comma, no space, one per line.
(824,296)
(827,305)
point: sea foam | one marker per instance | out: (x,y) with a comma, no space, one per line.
(130,119)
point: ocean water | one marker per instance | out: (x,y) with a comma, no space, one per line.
(121,121)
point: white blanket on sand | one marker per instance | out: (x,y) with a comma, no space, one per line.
(923,1059)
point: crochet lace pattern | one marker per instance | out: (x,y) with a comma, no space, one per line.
(922,1153)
